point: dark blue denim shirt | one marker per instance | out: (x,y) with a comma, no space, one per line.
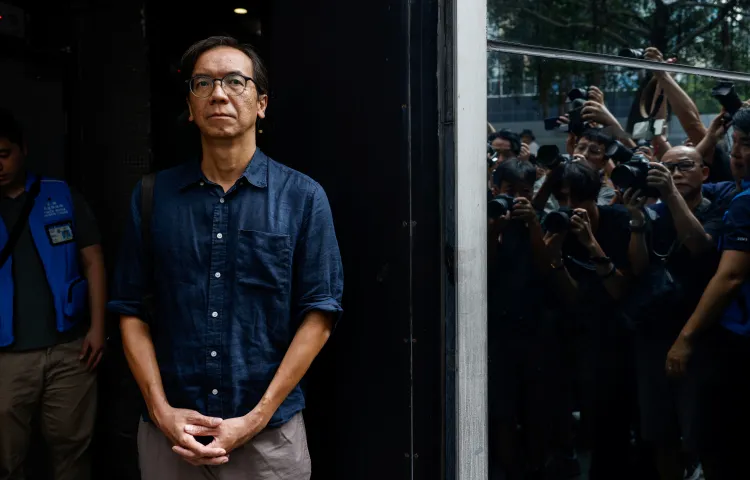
(234,275)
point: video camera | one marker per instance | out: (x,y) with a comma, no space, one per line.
(559,220)
(634,174)
(726,95)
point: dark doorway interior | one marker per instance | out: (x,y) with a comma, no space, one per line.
(354,105)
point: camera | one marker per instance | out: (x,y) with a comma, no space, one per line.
(633,174)
(637,53)
(618,152)
(577,97)
(500,205)
(726,95)
(559,220)
(549,157)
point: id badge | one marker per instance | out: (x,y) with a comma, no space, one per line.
(60,233)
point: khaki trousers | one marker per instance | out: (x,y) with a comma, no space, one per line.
(275,454)
(55,386)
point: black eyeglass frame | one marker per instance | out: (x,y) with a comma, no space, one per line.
(221,81)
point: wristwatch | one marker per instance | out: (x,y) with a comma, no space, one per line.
(601,260)
(636,227)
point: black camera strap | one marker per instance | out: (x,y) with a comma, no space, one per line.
(20,223)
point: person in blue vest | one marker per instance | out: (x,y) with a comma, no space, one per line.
(52,280)
(714,344)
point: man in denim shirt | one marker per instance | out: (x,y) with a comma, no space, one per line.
(247,282)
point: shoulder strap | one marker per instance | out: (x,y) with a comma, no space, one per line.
(20,223)
(147,210)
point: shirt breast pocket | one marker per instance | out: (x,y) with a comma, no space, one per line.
(264,261)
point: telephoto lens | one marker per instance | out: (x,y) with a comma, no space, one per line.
(634,174)
(499,206)
(549,157)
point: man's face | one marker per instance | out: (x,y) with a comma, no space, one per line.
(740,161)
(687,170)
(592,151)
(516,189)
(527,139)
(501,146)
(11,161)
(221,115)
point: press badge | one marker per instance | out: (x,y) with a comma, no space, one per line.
(60,233)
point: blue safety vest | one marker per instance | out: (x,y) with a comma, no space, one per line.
(52,225)
(736,317)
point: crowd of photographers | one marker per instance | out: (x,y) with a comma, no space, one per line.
(618,283)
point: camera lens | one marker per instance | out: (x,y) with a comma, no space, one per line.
(557,222)
(624,176)
(499,206)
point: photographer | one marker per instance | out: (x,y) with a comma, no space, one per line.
(689,117)
(589,267)
(590,148)
(673,256)
(717,334)
(523,340)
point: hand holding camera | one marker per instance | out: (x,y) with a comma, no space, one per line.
(596,112)
(580,226)
(660,179)
(524,211)
(634,201)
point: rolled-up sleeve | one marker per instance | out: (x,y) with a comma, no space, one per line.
(318,272)
(128,286)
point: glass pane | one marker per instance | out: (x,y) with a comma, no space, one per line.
(594,370)
(709,33)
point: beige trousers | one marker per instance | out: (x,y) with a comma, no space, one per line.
(55,385)
(275,454)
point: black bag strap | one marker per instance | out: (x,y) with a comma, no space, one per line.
(15,232)
(147,210)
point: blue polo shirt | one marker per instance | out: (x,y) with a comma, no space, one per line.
(736,236)
(234,275)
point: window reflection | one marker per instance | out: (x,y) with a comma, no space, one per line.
(708,33)
(617,347)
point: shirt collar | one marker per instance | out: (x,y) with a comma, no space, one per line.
(745,185)
(256,172)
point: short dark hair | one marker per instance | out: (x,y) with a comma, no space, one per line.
(596,135)
(512,138)
(191,55)
(742,120)
(11,128)
(515,171)
(584,182)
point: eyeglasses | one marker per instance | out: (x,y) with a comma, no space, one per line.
(681,166)
(202,86)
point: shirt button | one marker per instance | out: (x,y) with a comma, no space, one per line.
(202,184)
(221,200)
(217,275)
(215,392)
(213,354)
(219,236)
(215,314)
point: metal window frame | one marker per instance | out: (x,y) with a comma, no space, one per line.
(463,110)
